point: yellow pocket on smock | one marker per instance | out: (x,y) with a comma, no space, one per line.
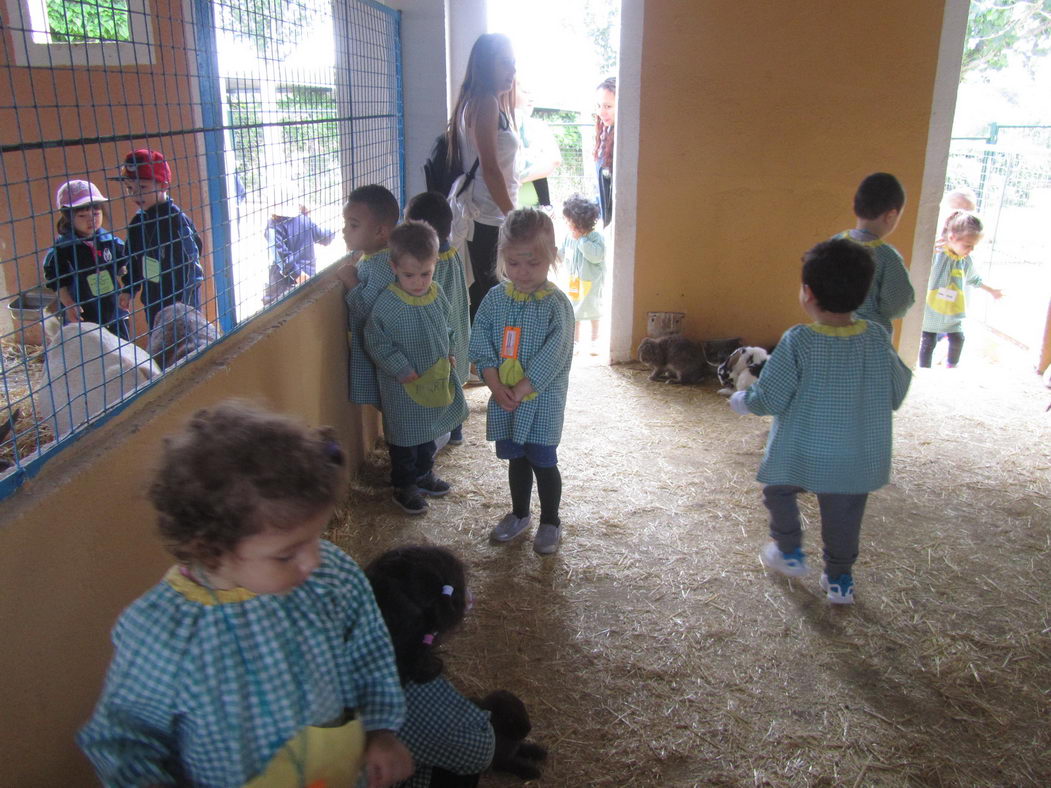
(434,388)
(100,283)
(511,372)
(317,757)
(151,269)
(946,300)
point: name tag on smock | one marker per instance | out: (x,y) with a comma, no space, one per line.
(151,269)
(947,294)
(509,345)
(100,283)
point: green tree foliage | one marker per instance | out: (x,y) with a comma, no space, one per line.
(272,26)
(997,29)
(89,20)
(601,22)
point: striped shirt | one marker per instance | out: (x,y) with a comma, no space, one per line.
(891,293)
(831,391)
(543,345)
(206,686)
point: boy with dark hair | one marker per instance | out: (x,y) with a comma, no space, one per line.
(878,203)
(433,208)
(164,247)
(409,338)
(369,216)
(831,387)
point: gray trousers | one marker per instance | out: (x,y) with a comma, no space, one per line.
(841,515)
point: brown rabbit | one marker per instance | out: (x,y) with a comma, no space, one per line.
(674,358)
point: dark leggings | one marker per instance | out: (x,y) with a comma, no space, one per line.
(520,472)
(929,339)
(482,251)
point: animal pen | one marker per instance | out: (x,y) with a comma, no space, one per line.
(255,104)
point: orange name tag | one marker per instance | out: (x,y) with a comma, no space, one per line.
(509,347)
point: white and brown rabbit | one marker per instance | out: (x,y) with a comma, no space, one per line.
(674,358)
(741,369)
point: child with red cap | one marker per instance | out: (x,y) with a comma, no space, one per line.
(163,245)
(86,263)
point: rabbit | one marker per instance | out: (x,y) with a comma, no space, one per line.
(741,369)
(674,358)
(510,720)
(178,332)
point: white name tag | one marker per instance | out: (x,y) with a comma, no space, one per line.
(947,294)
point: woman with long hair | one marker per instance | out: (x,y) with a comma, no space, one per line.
(605,117)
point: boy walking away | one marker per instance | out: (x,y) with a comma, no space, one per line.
(369,216)
(831,387)
(163,245)
(408,336)
(290,237)
(878,203)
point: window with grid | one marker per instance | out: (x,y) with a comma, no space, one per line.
(219,160)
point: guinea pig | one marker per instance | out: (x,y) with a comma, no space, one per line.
(674,358)
(510,721)
(741,369)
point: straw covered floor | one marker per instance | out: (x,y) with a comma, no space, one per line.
(653,649)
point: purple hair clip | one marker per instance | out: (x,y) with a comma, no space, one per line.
(447,590)
(333,451)
(428,639)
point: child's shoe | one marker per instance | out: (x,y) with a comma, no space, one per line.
(547,538)
(410,500)
(840,590)
(432,485)
(788,564)
(456,436)
(508,528)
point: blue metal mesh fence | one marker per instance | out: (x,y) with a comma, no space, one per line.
(253,119)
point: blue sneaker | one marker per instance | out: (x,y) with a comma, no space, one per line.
(840,590)
(788,564)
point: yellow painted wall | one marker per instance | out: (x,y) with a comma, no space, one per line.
(77,543)
(758,120)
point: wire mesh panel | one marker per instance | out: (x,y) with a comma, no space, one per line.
(168,170)
(1011,175)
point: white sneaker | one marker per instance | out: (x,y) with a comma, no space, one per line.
(509,527)
(840,591)
(547,538)
(788,564)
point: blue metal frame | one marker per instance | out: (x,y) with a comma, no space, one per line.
(215,161)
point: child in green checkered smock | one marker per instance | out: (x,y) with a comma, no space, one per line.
(260,659)
(878,203)
(422,593)
(433,208)
(584,255)
(952,271)
(409,338)
(369,217)
(831,386)
(522,344)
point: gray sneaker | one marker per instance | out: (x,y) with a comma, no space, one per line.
(508,528)
(547,538)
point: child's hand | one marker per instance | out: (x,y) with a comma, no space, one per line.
(348,275)
(387,760)
(124,301)
(995,293)
(522,389)
(737,403)
(302,278)
(504,397)
(73,313)
(452,361)
(408,378)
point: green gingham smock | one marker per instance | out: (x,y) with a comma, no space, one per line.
(449,273)
(545,352)
(206,686)
(831,391)
(374,275)
(404,334)
(948,271)
(891,293)
(585,259)
(444,729)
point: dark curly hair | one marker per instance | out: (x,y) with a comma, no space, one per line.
(236,469)
(582,213)
(421,591)
(433,208)
(838,273)
(381,202)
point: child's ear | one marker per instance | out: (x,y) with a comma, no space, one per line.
(806,294)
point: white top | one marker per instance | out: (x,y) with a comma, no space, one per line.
(507,144)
